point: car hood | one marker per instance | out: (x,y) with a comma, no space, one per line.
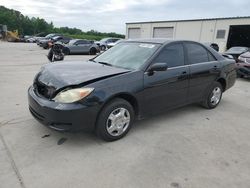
(237,51)
(67,74)
(245,55)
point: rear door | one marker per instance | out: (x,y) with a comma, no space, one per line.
(167,89)
(83,46)
(204,69)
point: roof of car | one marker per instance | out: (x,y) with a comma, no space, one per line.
(156,40)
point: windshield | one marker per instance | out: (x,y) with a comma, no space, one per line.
(128,55)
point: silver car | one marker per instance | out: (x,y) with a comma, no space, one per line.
(106,41)
(81,46)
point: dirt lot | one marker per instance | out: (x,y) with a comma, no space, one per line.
(186,148)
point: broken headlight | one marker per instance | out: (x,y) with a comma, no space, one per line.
(72,95)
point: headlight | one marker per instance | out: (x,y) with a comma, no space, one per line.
(72,95)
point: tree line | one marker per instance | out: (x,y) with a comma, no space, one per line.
(15,20)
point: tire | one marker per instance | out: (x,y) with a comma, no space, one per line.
(92,51)
(104,128)
(213,97)
(103,48)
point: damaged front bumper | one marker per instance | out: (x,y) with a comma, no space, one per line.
(62,117)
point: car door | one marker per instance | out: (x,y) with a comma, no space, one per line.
(167,89)
(204,69)
(83,46)
(74,47)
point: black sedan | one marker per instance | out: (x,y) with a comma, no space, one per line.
(132,80)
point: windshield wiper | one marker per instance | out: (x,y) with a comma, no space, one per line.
(93,60)
(105,63)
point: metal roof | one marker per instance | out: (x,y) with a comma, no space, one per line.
(205,19)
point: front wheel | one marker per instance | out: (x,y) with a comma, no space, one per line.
(103,48)
(115,120)
(213,97)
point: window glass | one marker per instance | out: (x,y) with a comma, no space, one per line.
(211,57)
(196,53)
(82,42)
(172,55)
(128,55)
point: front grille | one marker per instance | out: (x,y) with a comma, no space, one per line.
(44,90)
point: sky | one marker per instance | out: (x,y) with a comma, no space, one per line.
(111,15)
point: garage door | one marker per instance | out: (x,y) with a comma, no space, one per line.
(163,32)
(134,33)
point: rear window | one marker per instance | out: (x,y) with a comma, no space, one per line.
(196,53)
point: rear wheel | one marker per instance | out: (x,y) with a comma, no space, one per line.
(213,97)
(115,120)
(92,51)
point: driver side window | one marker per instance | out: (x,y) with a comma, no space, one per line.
(173,55)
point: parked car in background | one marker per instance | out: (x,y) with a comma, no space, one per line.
(112,44)
(132,80)
(106,41)
(46,43)
(81,46)
(243,65)
(31,40)
(47,37)
(236,52)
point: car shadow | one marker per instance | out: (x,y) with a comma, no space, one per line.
(88,139)
(148,124)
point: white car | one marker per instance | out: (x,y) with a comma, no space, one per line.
(112,44)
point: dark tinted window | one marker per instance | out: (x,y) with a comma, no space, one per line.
(172,55)
(211,57)
(196,53)
(82,42)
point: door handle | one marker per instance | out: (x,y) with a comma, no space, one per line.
(215,67)
(184,72)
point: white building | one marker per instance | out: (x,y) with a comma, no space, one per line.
(226,32)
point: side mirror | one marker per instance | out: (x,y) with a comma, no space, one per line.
(157,67)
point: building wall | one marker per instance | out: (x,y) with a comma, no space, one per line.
(200,30)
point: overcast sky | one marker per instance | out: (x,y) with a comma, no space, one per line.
(111,15)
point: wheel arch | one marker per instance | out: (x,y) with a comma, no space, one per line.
(92,48)
(223,83)
(126,96)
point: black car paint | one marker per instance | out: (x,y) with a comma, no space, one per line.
(148,93)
